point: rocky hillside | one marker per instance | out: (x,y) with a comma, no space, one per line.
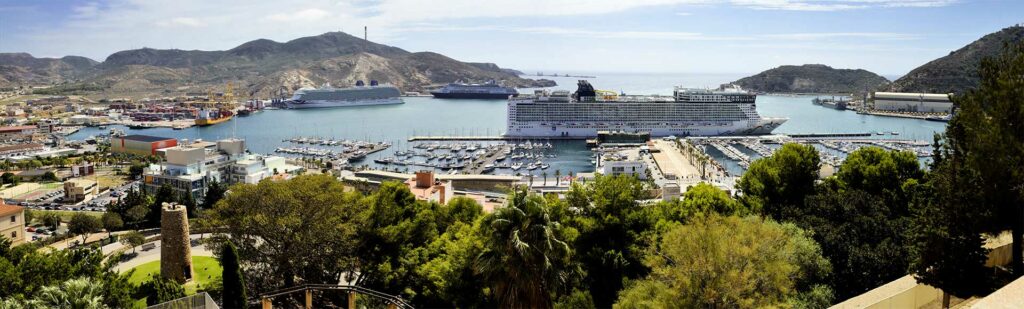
(957,71)
(260,68)
(812,78)
(22,68)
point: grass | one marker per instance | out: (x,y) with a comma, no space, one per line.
(65,215)
(207,270)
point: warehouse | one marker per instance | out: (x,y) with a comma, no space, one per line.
(913,102)
(142,145)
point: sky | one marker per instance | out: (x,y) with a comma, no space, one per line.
(889,37)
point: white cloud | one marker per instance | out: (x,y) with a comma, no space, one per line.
(182,22)
(306,15)
(842,35)
(683,13)
(836,5)
(87,10)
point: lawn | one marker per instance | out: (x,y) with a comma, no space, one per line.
(65,215)
(206,269)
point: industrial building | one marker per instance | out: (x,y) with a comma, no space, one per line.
(12,223)
(912,102)
(143,145)
(78,189)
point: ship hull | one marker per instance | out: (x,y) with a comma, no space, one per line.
(483,96)
(211,121)
(340,103)
(762,126)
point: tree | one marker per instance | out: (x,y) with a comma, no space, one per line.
(947,248)
(82,293)
(51,219)
(135,170)
(525,257)
(111,222)
(50,176)
(614,230)
(163,195)
(273,222)
(987,138)
(730,262)
(9,178)
(700,200)
(777,184)
(159,290)
(882,173)
(30,215)
(133,239)
(862,236)
(187,200)
(83,224)
(214,193)
(234,295)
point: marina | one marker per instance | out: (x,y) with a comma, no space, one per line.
(425,120)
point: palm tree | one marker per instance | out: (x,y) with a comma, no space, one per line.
(545,175)
(558,177)
(79,293)
(524,260)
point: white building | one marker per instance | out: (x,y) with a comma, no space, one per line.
(912,102)
(626,162)
(254,168)
(191,166)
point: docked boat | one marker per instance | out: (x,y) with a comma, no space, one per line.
(359,95)
(488,90)
(206,117)
(729,110)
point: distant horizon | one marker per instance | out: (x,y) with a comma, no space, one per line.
(887,37)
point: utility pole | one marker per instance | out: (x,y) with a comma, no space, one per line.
(364,34)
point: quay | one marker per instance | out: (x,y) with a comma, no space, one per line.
(478,165)
(490,138)
(818,135)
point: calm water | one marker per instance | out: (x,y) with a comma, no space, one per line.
(265,131)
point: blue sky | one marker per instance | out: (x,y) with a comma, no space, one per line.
(889,37)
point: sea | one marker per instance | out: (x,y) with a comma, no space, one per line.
(265,131)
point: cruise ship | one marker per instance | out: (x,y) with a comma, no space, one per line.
(728,110)
(360,95)
(488,90)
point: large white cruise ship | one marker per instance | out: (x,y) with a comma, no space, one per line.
(728,110)
(359,95)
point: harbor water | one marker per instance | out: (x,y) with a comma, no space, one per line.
(266,131)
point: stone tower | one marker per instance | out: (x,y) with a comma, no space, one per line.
(175,248)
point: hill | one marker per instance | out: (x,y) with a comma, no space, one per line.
(957,71)
(23,68)
(259,68)
(812,78)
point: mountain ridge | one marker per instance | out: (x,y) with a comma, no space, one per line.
(260,67)
(812,78)
(957,71)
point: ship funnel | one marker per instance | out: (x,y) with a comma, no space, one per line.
(373,82)
(359,83)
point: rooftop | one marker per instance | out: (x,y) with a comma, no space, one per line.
(145,138)
(15,128)
(10,209)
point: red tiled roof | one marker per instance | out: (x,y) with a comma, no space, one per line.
(16,128)
(10,209)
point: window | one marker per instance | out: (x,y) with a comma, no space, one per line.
(14,234)
(13,219)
